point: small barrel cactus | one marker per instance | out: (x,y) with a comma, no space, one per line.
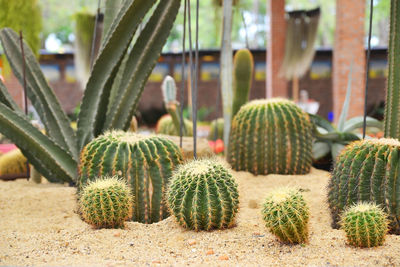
(203,195)
(243,67)
(166,126)
(13,162)
(106,202)
(145,162)
(368,171)
(286,215)
(216,129)
(365,225)
(271,136)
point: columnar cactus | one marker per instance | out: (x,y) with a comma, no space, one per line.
(367,171)
(165,125)
(13,162)
(145,162)
(392,107)
(243,66)
(106,202)
(271,136)
(203,195)
(365,225)
(286,215)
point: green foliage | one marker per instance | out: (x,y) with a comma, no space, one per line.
(56,155)
(271,136)
(24,16)
(367,171)
(392,107)
(243,67)
(286,215)
(165,125)
(203,195)
(145,162)
(218,126)
(13,162)
(106,202)
(365,225)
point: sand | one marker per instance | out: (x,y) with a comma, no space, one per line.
(39,226)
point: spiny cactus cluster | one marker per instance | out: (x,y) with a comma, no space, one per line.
(13,162)
(365,225)
(165,125)
(106,202)
(286,215)
(145,162)
(203,195)
(367,171)
(243,66)
(271,136)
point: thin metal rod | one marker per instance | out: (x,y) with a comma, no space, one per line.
(367,71)
(182,89)
(21,42)
(195,89)
(191,67)
(94,35)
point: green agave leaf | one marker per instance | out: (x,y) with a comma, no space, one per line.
(321,122)
(320,150)
(140,64)
(95,99)
(39,92)
(357,122)
(111,11)
(43,153)
(336,149)
(7,100)
(346,104)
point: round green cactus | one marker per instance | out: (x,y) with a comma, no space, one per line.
(367,171)
(218,127)
(106,202)
(13,162)
(145,162)
(286,215)
(365,225)
(203,195)
(165,125)
(271,136)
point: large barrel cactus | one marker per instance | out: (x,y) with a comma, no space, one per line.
(271,136)
(146,162)
(368,171)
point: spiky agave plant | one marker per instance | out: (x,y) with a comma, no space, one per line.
(111,96)
(271,136)
(203,195)
(365,224)
(367,171)
(145,162)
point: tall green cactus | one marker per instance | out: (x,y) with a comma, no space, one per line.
(146,162)
(271,136)
(243,66)
(203,195)
(392,108)
(367,171)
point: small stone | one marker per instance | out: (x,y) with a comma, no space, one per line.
(253,204)
(223,257)
(192,242)
(117,234)
(131,244)
(156,262)
(210,252)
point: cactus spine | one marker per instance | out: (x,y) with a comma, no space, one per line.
(168,89)
(367,171)
(145,162)
(392,108)
(13,162)
(106,202)
(243,66)
(286,215)
(365,225)
(271,136)
(203,195)
(166,126)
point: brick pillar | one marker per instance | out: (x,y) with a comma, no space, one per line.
(276,86)
(14,88)
(349,45)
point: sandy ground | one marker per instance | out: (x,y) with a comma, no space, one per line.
(39,226)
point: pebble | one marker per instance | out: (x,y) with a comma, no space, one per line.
(117,234)
(253,204)
(192,242)
(210,252)
(156,262)
(223,257)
